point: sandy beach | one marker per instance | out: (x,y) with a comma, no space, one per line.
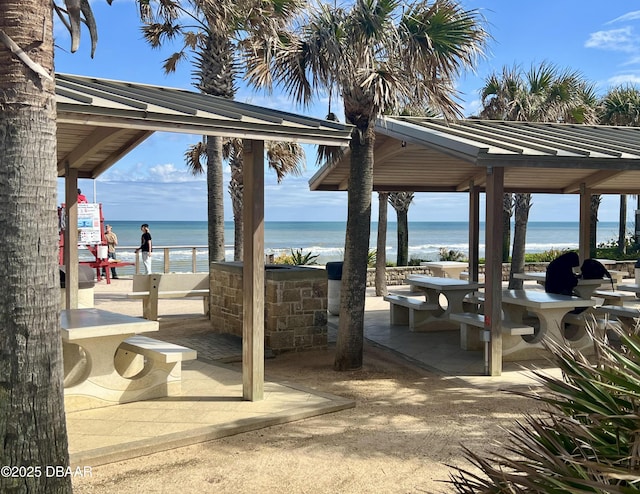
(407,428)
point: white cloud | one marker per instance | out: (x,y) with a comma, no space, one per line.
(623,79)
(630,16)
(615,39)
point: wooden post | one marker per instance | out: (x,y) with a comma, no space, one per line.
(493,267)
(71,237)
(253,272)
(585,223)
(474,231)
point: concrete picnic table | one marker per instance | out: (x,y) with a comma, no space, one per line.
(454,290)
(91,338)
(550,309)
(585,287)
(446,269)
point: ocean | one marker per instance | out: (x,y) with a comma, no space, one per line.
(326,239)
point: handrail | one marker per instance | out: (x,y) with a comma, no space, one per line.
(166,251)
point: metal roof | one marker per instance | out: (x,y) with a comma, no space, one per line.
(431,155)
(100,120)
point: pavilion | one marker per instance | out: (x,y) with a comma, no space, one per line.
(99,121)
(472,156)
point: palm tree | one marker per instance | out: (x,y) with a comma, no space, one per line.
(32,420)
(543,94)
(379,55)
(621,106)
(401,202)
(285,158)
(209,32)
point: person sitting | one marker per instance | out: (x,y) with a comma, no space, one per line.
(560,278)
(81,197)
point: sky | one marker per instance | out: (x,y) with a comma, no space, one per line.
(151,183)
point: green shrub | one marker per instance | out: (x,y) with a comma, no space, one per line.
(371,258)
(546,256)
(451,255)
(415,261)
(587,441)
(296,258)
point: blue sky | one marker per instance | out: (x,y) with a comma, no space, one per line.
(151,183)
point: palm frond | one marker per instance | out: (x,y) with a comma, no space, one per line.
(586,440)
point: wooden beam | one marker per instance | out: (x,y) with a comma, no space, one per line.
(585,223)
(99,138)
(390,149)
(477,179)
(493,267)
(71,238)
(253,272)
(592,181)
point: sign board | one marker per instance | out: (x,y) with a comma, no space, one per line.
(89,227)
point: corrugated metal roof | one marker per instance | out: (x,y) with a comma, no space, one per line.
(428,154)
(101,120)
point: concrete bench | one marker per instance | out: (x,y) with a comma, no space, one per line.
(610,297)
(465,276)
(159,363)
(152,287)
(477,320)
(408,310)
(473,341)
(474,302)
(628,317)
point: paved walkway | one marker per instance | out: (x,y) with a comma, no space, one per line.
(211,404)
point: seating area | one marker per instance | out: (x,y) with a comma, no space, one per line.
(150,288)
(108,362)
(529,315)
(160,360)
(409,311)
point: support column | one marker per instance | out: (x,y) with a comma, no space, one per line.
(474,231)
(71,237)
(253,272)
(585,223)
(493,267)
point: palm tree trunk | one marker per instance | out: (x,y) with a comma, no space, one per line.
(350,343)
(506,226)
(521,213)
(236,189)
(636,231)
(622,226)
(215,199)
(403,237)
(32,420)
(381,245)
(401,202)
(595,204)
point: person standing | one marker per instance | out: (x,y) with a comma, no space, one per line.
(81,197)
(146,248)
(112,241)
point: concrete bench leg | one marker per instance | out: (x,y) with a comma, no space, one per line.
(160,378)
(399,315)
(470,337)
(205,301)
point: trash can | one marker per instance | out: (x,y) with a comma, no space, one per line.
(334,275)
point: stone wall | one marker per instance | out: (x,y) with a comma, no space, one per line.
(295,305)
(396,275)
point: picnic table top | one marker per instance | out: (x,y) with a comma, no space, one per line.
(439,283)
(93,323)
(538,299)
